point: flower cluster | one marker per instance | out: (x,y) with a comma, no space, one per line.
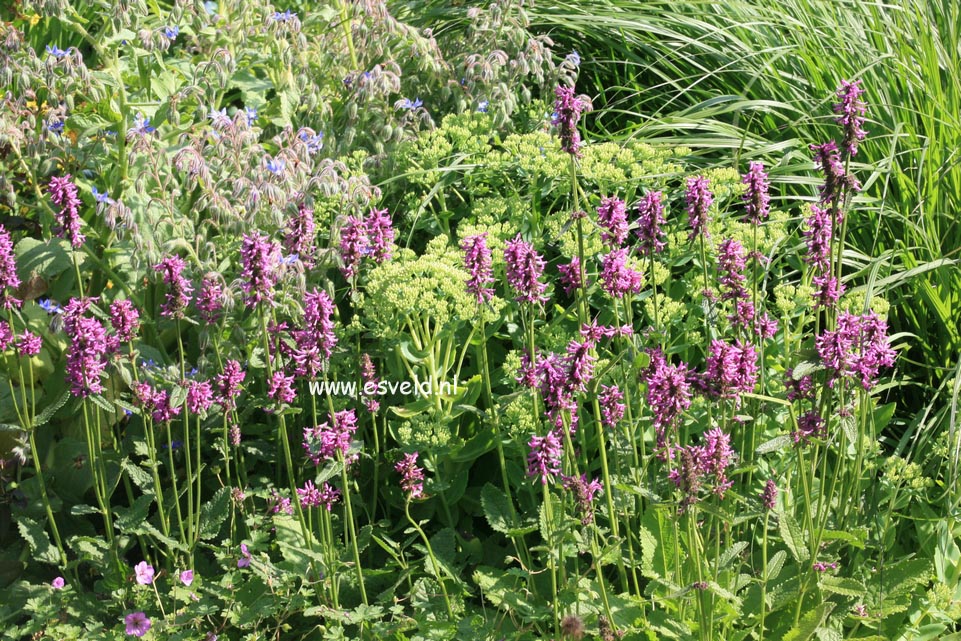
(9,280)
(368,376)
(179,288)
(300,236)
(323,442)
(731,370)
(477,260)
(89,345)
(584,492)
(699,201)
(757,200)
(703,463)
(311,496)
(544,459)
(524,270)
(731,262)
(359,237)
(858,347)
(851,118)
(570,276)
(260,258)
(668,394)
(612,407)
(125,320)
(63,192)
(567,112)
(612,217)
(210,299)
(617,277)
(315,340)
(412,477)
(650,217)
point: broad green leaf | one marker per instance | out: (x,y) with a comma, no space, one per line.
(213,513)
(129,519)
(841,585)
(496,509)
(46,258)
(810,622)
(793,537)
(51,409)
(36,537)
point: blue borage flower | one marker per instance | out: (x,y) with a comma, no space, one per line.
(251,114)
(49,306)
(286,16)
(275,165)
(314,143)
(102,197)
(574,58)
(55,127)
(56,51)
(141,126)
(407,104)
(172,32)
(482,106)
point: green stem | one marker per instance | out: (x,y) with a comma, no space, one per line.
(438,571)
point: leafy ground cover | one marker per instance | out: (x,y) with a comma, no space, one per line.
(320,324)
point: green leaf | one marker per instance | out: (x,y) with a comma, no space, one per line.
(90,548)
(47,259)
(496,509)
(36,537)
(776,443)
(842,586)
(775,564)
(793,537)
(81,510)
(809,623)
(805,368)
(102,403)
(731,553)
(51,409)
(129,519)
(213,513)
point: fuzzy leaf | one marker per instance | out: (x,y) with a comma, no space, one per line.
(776,443)
(213,513)
(841,585)
(809,623)
(496,509)
(51,409)
(793,537)
(36,537)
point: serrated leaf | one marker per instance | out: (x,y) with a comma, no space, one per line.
(793,537)
(89,548)
(776,443)
(849,427)
(841,585)
(213,513)
(140,477)
(82,510)
(129,519)
(855,537)
(102,403)
(805,368)
(825,634)
(730,554)
(775,564)
(496,509)
(36,537)
(809,623)
(51,409)
(648,548)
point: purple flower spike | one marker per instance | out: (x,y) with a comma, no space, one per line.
(570,276)
(380,234)
(315,341)
(769,495)
(851,118)
(9,280)
(477,260)
(612,409)
(179,288)
(612,217)
(567,112)
(757,201)
(125,320)
(260,258)
(650,218)
(300,236)
(86,356)
(412,477)
(699,201)
(617,278)
(524,269)
(353,245)
(544,460)
(64,194)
